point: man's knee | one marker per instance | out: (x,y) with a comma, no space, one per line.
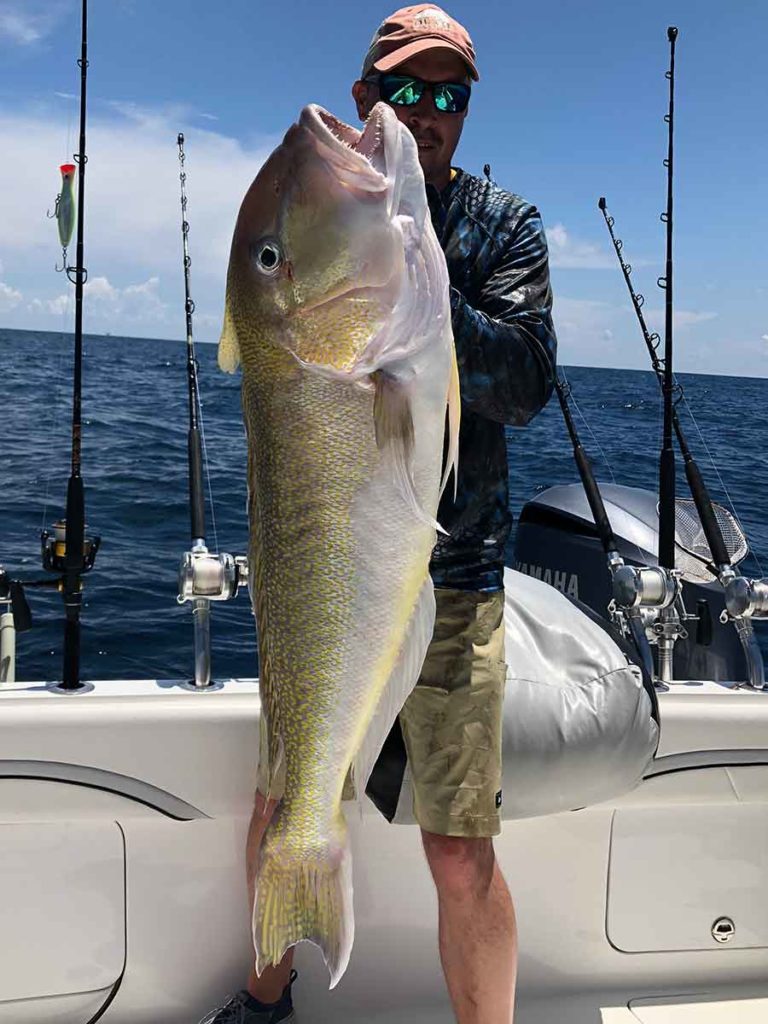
(460,866)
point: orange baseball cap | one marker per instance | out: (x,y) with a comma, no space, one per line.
(413,30)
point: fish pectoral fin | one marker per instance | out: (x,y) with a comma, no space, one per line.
(454,420)
(399,685)
(393,425)
(229,349)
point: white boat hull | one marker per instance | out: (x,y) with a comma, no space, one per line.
(123,815)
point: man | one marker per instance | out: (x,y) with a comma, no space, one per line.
(422,62)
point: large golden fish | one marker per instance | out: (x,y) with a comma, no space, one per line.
(337,308)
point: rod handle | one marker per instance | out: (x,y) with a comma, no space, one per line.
(196,491)
(709,522)
(595,500)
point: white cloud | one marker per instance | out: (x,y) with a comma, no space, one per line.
(9,297)
(764,337)
(682,319)
(58,306)
(133,217)
(134,304)
(570,254)
(99,289)
(26,22)
(586,331)
(596,333)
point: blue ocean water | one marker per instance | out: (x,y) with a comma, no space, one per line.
(135,473)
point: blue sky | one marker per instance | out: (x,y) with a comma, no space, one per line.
(569,108)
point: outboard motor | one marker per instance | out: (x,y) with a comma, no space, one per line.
(558,543)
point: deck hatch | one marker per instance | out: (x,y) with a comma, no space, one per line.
(62,890)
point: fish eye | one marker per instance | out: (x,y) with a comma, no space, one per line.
(268,257)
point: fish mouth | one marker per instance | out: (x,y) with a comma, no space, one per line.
(354,294)
(362,155)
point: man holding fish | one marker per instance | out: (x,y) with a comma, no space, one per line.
(356,333)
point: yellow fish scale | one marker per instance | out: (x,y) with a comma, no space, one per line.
(311,450)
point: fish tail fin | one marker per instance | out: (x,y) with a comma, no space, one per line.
(304,898)
(454,417)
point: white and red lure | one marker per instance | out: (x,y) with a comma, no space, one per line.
(65,210)
(66,205)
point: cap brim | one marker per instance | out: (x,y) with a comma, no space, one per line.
(404,53)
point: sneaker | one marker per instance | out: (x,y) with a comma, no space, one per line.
(240,1009)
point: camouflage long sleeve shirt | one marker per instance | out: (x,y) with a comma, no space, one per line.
(501,304)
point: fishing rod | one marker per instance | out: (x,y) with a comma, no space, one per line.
(194,441)
(744,598)
(624,607)
(203,575)
(669,627)
(667,459)
(721,558)
(67,551)
(646,599)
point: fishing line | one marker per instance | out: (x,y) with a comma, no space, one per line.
(720,480)
(590,431)
(69,133)
(55,411)
(206,464)
(53,417)
(585,421)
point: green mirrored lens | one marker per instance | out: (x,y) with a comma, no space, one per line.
(450,98)
(405,93)
(444,99)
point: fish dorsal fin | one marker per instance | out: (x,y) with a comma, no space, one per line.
(454,418)
(229,349)
(401,682)
(393,425)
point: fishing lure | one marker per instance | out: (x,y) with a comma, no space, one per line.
(65,204)
(65,210)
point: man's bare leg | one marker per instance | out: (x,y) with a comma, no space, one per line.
(269,987)
(478,934)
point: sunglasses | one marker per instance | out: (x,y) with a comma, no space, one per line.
(406,91)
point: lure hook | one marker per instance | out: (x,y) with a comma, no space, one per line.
(55,214)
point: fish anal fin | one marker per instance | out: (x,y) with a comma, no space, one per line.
(401,682)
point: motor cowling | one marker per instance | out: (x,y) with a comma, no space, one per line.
(557,542)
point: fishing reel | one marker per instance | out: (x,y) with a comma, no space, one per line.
(648,604)
(650,587)
(212,577)
(745,599)
(54,549)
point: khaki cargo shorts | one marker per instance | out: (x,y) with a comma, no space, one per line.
(451,722)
